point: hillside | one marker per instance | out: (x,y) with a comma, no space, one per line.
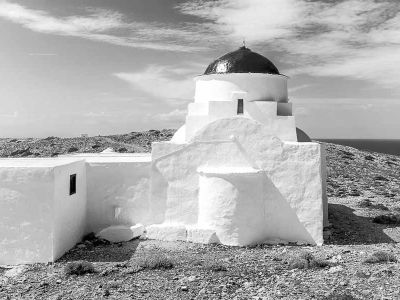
(364,214)
(53,146)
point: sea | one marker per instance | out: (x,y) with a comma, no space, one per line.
(382,146)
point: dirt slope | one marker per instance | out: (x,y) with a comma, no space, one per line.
(361,186)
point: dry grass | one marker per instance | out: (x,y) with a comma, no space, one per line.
(340,296)
(380,257)
(79,268)
(156,261)
(369,204)
(307,261)
(215,266)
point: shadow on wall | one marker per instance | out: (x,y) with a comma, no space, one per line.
(350,229)
(103,253)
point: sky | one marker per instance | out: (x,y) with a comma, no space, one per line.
(98,67)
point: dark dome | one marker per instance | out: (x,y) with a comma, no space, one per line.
(242,60)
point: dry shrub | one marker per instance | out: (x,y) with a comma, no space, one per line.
(72,149)
(369,204)
(156,261)
(380,257)
(387,219)
(79,268)
(307,261)
(215,266)
(339,296)
(197,262)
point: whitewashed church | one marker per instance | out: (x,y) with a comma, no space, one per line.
(238,172)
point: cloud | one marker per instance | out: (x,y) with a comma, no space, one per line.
(106,26)
(91,114)
(42,54)
(299,87)
(355,39)
(177,115)
(301,111)
(345,101)
(254,20)
(169,84)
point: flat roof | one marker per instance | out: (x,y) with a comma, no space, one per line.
(112,157)
(115,159)
(112,154)
(37,162)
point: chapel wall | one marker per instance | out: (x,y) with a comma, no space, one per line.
(69,220)
(26,214)
(117,192)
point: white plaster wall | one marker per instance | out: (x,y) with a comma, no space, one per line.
(231,202)
(261,110)
(248,129)
(117,191)
(214,110)
(26,214)
(222,109)
(179,136)
(259,87)
(159,149)
(294,168)
(292,183)
(175,181)
(298,178)
(284,127)
(324,178)
(198,108)
(195,123)
(282,221)
(69,210)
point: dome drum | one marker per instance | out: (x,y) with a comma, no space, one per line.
(256,86)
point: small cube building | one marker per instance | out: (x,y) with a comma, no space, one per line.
(42,208)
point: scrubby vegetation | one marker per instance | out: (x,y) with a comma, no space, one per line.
(215,266)
(381,257)
(366,203)
(307,260)
(156,261)
(53,146)
(79,268)
(358,260)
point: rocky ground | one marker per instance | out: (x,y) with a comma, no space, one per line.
(362,187)
(52,146)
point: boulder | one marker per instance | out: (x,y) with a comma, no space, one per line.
(137,230)
(116,233)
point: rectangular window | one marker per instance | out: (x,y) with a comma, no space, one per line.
(240,107)
(72,184)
